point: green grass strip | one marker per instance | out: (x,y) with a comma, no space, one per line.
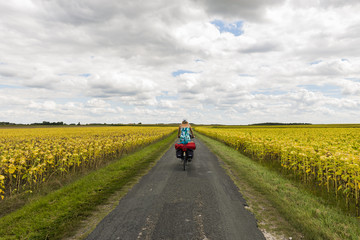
(305,212)
(60,212)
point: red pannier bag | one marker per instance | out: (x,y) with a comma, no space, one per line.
(184,147)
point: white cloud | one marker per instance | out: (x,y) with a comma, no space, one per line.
(97,103)
(350,87)
(45,106)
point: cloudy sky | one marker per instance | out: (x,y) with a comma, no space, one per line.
(159,61)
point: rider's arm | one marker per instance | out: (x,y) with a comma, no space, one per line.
(179,131)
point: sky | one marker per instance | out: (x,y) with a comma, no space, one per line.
(162,61)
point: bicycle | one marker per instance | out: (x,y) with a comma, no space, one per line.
(186,157)
(185,152)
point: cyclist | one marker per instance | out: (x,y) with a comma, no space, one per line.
(185,132)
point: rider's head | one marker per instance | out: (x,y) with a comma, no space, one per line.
(184,121)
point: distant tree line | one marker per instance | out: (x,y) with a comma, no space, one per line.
(7,123)
(49,123)
(274,123)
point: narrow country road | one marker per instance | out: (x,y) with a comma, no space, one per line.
(169,203)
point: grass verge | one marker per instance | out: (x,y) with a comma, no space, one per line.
(294,208)
(59,213)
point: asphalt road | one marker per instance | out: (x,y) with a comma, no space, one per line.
(170,203)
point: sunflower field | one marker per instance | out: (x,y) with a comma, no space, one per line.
(32,156)
(326,155)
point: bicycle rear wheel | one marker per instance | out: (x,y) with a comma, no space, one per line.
(184,160)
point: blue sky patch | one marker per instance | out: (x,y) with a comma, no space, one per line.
(85,75)
(353,79)
(235,27)
(246,75)
(315,62)
(166,96)
(163,97)
(327,90)
(179,72)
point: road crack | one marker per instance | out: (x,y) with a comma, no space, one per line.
(147,230)
(198,217)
